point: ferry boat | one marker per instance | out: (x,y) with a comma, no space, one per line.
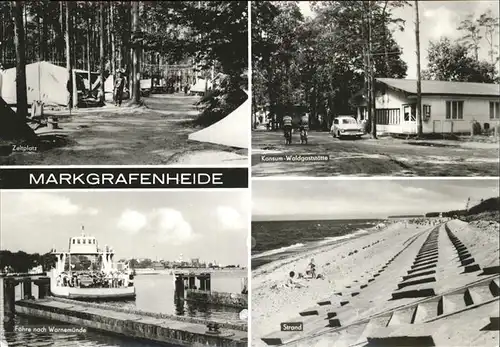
(88,272)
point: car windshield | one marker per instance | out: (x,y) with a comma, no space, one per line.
(349,121)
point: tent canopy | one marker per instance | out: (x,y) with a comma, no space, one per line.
(199,86)
(44,81)
(232,130)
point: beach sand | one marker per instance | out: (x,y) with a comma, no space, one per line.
(346,265)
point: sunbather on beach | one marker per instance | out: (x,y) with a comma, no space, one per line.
(292,282)
(311,269)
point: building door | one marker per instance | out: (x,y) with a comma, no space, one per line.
(409,121)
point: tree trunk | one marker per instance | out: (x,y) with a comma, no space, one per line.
(21,91)
(44,43)
(137,52)
(63,31)
(39,52)
(69,61)
(130,54)
(89,63)
(386,52)
(101,50)
(112,32)
(419,82)
(371,103)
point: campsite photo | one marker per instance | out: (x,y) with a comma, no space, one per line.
(124,82)
(375,88)
(416,266)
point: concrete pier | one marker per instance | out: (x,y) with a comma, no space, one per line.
(184,331)
(218,298)
(164,328)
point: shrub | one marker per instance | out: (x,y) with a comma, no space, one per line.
(476,128)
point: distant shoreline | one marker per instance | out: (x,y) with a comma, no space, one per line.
(296,249)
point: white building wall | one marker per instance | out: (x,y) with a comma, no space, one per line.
(476,108)
(392,99)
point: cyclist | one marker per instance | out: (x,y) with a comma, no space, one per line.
(287,127)
(304,126)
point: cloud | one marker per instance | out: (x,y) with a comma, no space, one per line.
(92,211)
(41,203)
(230,218)
(443,22)
(132,221)
(172,227)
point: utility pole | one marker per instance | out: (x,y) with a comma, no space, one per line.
(69,61)
(419,81)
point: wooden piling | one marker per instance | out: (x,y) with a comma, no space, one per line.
(43,284)
(27,288)
(192,283)
(179,286)
(9,298)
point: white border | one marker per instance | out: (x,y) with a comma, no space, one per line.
(249,166)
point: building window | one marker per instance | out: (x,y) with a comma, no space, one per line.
(78,241)
(454,110)
(494,109)
(387,116)
(83,241)
(73,241)
(427,111)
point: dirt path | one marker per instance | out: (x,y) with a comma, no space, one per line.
(151,135)
(382,157)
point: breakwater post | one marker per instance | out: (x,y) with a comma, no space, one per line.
(9,297)
(27,288)
(43,284)
(185,281)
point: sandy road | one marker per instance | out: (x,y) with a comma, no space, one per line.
(382,157)
(152,135)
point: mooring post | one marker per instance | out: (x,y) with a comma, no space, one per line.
(207,282)
(179,286)
(202,282)
(43,284)
(192,283)
(9,298)
(27,288)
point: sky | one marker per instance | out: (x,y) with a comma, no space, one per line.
(437,19)
(211,225)
(357,199)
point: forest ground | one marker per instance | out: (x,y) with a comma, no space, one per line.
(153,134)
(385,156)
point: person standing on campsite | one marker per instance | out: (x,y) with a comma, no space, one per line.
(119,84)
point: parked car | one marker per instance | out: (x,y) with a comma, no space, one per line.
(345,126)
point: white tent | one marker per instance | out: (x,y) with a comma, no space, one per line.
(232,130)
(199,86)
(44,81)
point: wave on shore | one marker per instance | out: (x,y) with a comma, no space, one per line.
(277,250)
